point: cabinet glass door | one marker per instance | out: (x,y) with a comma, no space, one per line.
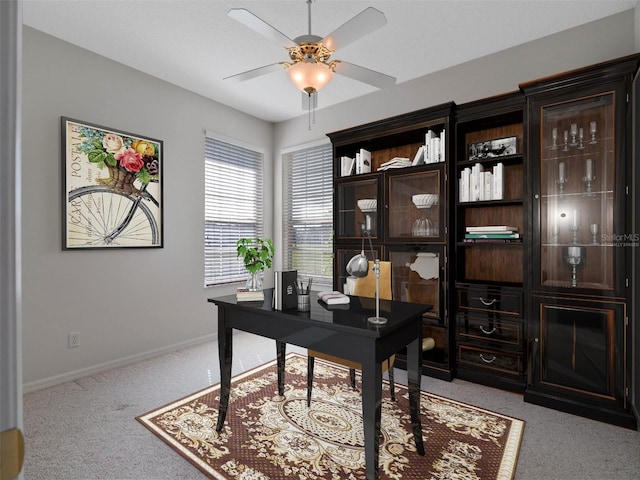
(415,206)
(357,209)
(577,193)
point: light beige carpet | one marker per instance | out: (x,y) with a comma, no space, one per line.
(271,437)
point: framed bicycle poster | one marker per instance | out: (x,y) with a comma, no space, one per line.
(112,188)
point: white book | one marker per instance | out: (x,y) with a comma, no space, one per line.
(442,147)
(492,228)
(435,158)
(363,161)
(465,176)
(477,193)
(346,166)
(419,157)
(498,182)
(488,186)
(428,141)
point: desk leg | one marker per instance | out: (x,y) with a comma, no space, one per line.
(414,375)
(371,411)
(281,349)
(225,352)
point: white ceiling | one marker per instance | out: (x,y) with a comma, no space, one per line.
(194,44)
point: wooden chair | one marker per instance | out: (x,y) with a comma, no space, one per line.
(364,287)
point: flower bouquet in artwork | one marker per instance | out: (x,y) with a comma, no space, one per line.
(127,159)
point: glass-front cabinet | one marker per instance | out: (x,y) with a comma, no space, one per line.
(578,192)
(580,324)
(390,187)
(357,209)
(416,207)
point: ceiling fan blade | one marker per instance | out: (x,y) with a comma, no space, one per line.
(362,24)
(365,75)
(256,24)
(256,72)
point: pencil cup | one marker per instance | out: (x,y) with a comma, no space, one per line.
(304,304)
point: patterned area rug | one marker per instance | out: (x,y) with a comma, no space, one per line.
(267,436)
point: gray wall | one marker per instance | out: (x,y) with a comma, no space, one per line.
(131,304)
(125,303)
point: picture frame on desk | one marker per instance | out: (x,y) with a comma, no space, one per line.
(499,147)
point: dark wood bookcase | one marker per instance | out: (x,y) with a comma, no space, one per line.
(552,313)
(415,240)
(581,318)
(490,278)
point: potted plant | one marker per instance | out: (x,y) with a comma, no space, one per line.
(256,254)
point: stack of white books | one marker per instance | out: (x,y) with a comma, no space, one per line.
(396,162)
(434,147)
(476,184)
(244,295)
(492,233)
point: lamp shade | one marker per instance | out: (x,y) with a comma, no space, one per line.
(310,76)
(358,266)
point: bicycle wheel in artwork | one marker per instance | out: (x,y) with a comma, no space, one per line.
(112,186)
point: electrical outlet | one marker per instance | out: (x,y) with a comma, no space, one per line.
(74,339)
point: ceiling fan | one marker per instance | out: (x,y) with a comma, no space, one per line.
(310,66)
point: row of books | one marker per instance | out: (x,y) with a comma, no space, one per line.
(433,151)
(492,233)
(358,165)
(476,184)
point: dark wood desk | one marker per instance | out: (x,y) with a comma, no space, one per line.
(340,330)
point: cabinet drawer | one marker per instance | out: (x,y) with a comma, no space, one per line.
(496,301)
(489,331)
(490,359)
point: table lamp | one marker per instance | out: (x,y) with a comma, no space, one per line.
(358,266)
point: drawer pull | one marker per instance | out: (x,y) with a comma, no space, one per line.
(488,360)
(487,332)
(488,303)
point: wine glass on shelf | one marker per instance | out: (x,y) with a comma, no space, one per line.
(566,141)
(581,138)
(592,131)
(589,176)
(594,233)
(574,134)
(574,256)
(562,177)
(554,139)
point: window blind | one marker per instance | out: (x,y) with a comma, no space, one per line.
(233,207)
(308,213)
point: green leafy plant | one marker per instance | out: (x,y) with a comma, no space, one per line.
(256,253)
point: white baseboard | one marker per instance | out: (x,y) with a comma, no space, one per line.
(120,362)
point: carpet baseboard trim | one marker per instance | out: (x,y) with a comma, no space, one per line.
(120,362)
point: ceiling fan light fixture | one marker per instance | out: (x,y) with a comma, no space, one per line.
(310,76)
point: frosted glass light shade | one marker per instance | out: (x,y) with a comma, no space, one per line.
(310,76)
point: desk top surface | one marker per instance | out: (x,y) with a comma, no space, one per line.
(348,318)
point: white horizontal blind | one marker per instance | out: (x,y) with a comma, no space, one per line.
(308,213)
(233,207)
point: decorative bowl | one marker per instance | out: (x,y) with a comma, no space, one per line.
(368,204)
(425,200)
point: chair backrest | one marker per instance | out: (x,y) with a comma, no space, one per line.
(366,286)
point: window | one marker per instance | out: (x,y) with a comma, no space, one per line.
(233,206)
(308,212)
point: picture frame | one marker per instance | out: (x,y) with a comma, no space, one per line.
(112,188)
(499,147)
